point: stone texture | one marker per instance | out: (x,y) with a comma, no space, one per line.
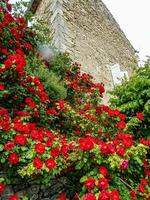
(87,30)
(37,192)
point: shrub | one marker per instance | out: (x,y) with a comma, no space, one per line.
(133,99)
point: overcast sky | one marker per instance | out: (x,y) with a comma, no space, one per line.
(133,17)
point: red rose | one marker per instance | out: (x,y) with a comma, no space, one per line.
(78,132)
(39,148)
(104,149)
(20,139)
(133,194)
(2,87)
(18,126)
(99,133)
(122,117)
(34,134)
(51,112)
(115,195)
(50,163)
(140,116)
(104,195)
(9,7)
(107,149)
(28,46)
(55,152)
(4,51)
(49,142)
(36,113)
(86,144)
(37,135)
(61,104)
(90,183)
(102,184)
(8,63)
(9,145)
(89,196)
(103,170)
(143,182)
(14,197)
(13,158)
(124,164)
(121,151)
(30,102)
(143,141)
(121,125)
(127,142)
(62,196)
(101,88)
(37,163)
(2,188)
(141,188)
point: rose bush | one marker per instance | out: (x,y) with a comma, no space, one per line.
(133,98)
(74,136)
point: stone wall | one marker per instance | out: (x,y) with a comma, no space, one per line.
(88,31)
(37,192)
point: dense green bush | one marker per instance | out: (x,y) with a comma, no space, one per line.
(133,99)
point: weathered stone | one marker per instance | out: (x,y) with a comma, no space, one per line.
(88,31)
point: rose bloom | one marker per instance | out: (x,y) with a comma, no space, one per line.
(107,149)
(20,139)
(4,51)
(37,163)
(61,103)
(62,196)
(13,158)
(121,125)
(115,195)
(2,87)
(143,182)
(2,188)
(124,164)
(133,194)
(9,7)
(9,145)
(103,170)
(102,184)
(49,142)
(86,144)
(121,151)
(50,163)
(90,183)
(55,152)
(99,133)
(14,197)
(28,46)
(122,117)
(104,195)
(141,188)
(39,148)
(140,116)
(89,196)
(127,142)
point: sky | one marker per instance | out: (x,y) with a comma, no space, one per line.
(133,17)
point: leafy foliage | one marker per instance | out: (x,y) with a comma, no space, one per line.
(132,97)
